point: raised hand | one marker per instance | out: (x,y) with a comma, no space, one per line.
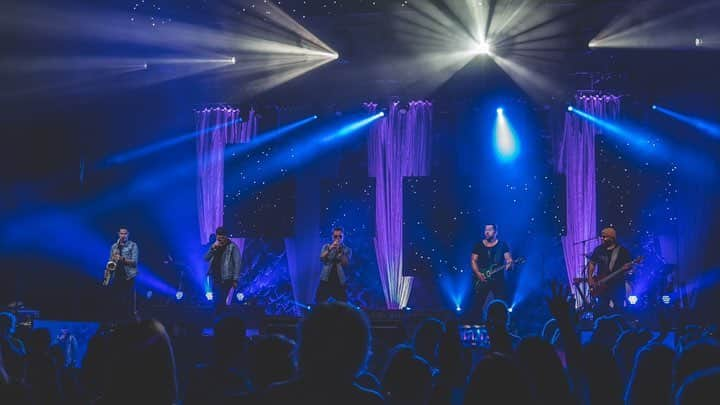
(560,306)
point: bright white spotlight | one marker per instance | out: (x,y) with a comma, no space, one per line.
(666,299)
(232,60)
(510,309)
(145,66)
(483,48)
(499,110)
(654,107)
(570,108)
(209,295)
(240,296)
(633,299)
(458,308)
(179,295)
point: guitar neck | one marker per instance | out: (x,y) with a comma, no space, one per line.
(615,273)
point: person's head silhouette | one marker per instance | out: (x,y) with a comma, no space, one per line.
(427,339)
(141,365)
(333,343)
(496,314)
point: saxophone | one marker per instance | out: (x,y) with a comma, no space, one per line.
(111,265)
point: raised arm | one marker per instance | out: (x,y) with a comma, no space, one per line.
(324,252)
(344,257)
(209,254)
(508,260)
(134,254)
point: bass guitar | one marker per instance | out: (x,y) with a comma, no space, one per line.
(599,285)
(492,270)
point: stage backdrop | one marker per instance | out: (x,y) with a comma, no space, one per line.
(218,127)
(399,146)
(577,161)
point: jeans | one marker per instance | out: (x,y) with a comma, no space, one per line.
(124,292)
(496,285)
(221,289)
(331,288)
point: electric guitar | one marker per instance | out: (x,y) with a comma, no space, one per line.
(492,270)
(599,286)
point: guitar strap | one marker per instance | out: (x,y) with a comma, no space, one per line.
(613,258)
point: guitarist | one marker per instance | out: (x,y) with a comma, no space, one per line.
(490,252)
(607,258)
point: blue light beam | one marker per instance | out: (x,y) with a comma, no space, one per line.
(507,145)
(352,127)
(700,124)
(167,143)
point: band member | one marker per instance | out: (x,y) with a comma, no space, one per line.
(605,259)
(124,253)
(335,258)
(490,252)
(225,261)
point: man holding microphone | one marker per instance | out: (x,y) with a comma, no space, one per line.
(224,258)
(335,258)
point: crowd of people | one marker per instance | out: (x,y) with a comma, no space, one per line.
(333,362)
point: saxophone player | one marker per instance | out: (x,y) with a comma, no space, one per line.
(124,253)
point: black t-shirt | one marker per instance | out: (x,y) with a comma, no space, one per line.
(602,257)
(216,267)
(490,255)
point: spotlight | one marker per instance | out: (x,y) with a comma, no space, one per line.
(240,296)
(209,295)
(145,66)
(633,299)
(698,41)
(407,309)
(654,107)
(179,295)
(510,309)
(148,294)
(483,48)
(570,108)
(458,308)
(232,60)
(506,142)
(666,299)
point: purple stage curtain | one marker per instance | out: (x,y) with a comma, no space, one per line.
(399,146)
(577,161)
(217,127)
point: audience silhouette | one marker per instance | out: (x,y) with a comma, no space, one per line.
(135,363)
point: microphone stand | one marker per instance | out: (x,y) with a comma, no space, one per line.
(583,295)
